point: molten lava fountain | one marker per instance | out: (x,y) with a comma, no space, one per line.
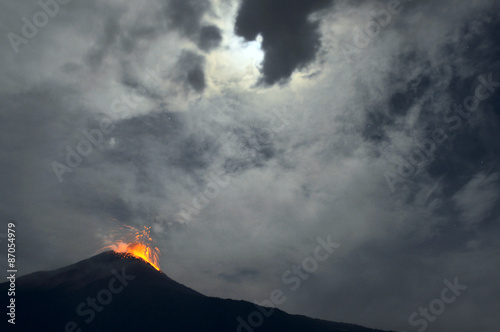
(137,243)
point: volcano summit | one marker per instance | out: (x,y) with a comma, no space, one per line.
(118,292)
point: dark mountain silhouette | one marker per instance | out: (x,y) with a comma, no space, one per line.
(114,292)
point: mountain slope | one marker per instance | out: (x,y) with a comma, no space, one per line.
(113,292)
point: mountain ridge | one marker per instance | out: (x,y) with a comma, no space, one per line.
(116,292)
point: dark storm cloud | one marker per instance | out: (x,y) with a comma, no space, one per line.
(290,39)
(186,16)
(471,145)
(474,145)
(209,37)
(119,38)
(190,70)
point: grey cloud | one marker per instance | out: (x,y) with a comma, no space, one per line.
(290,39)
(209,37)
(186,16)
(110,36)
(190,70)
(477,198)
(238,276)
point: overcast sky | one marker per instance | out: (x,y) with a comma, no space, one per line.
(242,131)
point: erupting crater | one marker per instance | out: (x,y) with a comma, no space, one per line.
(130,241)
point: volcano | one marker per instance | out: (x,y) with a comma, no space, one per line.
(119,292)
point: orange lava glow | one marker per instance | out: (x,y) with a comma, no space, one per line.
(136,243)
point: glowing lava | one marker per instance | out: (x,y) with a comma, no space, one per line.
(136,243)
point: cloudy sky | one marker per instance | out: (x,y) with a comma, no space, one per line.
(243,130)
